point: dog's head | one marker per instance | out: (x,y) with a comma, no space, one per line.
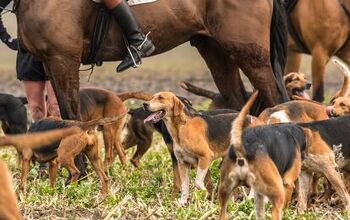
(164,105)
(296,84)
(340,107)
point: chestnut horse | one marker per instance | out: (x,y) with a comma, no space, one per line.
(322,29)
(229,34)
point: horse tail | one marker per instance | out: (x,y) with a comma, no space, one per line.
(197,90)
(237,127)
(278,45)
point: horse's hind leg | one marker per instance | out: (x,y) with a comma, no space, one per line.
(255,63)
(319,62)
(64,75)
(223,70)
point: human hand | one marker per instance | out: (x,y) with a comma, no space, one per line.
(12,43)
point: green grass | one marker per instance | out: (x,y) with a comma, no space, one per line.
(135,193)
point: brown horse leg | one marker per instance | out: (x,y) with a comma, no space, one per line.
(224,72)
(293,61)
(261,76)
(319,62)
(64,75)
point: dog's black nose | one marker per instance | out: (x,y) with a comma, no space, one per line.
(308,85)
(145,106)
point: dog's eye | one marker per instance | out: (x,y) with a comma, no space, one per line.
(288,80)
(342,104)
(160,97)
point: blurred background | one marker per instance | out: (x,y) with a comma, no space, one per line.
(158,73)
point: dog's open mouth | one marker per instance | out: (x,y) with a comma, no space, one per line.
(154,117)
(301,93)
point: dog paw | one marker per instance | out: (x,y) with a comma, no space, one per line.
(135,163)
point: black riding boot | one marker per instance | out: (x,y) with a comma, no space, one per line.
(139,44)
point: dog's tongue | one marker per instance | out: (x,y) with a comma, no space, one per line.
(154,117)
(329,111)
(303,94)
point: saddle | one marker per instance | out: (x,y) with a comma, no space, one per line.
(101,27)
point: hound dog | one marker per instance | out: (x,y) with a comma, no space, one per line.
(198,139)
(75,141)
(13,114)
(296,85)
(268,159)
(302,110)
(8,201)
(136,132)
(96,103)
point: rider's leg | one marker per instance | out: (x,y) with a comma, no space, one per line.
(140,45)
(52,104)
(36,99)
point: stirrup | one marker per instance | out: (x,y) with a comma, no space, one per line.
(136,49)
(131,47)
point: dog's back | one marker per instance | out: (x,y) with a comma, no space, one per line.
(279,142)
(45,125)
(294,111)
(334,131)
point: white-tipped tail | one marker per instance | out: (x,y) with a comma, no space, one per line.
(237,126)
(344,91)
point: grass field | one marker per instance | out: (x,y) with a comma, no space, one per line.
(145,192)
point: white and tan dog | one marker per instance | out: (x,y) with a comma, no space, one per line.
(198,139)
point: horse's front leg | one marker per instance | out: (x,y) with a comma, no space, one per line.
(64,75)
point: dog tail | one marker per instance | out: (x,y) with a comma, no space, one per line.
(197,91)
(101,121)
(344,91)
(37,139)
(135,95)
(237,127)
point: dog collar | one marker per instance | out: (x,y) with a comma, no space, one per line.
(329,111)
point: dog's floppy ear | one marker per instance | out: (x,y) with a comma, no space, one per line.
(178,106)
